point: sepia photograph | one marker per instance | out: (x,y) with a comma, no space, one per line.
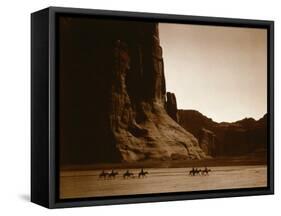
(149,107)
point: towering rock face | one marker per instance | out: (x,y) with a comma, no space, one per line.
(140,124)
(171,106)
(113,95)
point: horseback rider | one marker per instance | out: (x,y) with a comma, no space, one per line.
(142,173)
(103,174)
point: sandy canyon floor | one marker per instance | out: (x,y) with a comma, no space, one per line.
(87,183)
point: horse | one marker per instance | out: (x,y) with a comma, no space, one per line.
(195,172)
(112,174)
(198,171)
(103,174)
(128,174)
(142,173)
(206,171)
(192,172)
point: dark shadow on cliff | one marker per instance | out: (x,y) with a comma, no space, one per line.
(112,95)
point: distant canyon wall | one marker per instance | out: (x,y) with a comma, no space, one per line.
(243,137)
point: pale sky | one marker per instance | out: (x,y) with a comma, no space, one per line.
(219,71)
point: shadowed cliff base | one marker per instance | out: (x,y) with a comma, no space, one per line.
(214,162)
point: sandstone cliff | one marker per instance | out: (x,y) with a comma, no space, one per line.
(140,124)
(113,95)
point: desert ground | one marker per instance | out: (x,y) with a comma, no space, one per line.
(87,183)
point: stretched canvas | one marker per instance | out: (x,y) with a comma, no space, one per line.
(155,106)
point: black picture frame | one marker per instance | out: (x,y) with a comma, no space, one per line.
(44,151)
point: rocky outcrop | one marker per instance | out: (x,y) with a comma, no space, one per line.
(114,95)
(227,139)
(206,140)
(171,106)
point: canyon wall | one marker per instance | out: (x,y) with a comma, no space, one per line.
(242,137)
(113,103)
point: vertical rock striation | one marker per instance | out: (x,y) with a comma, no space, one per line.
(171,106)
(206,140)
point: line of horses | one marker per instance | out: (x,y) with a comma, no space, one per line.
(202,172)
(126,175)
